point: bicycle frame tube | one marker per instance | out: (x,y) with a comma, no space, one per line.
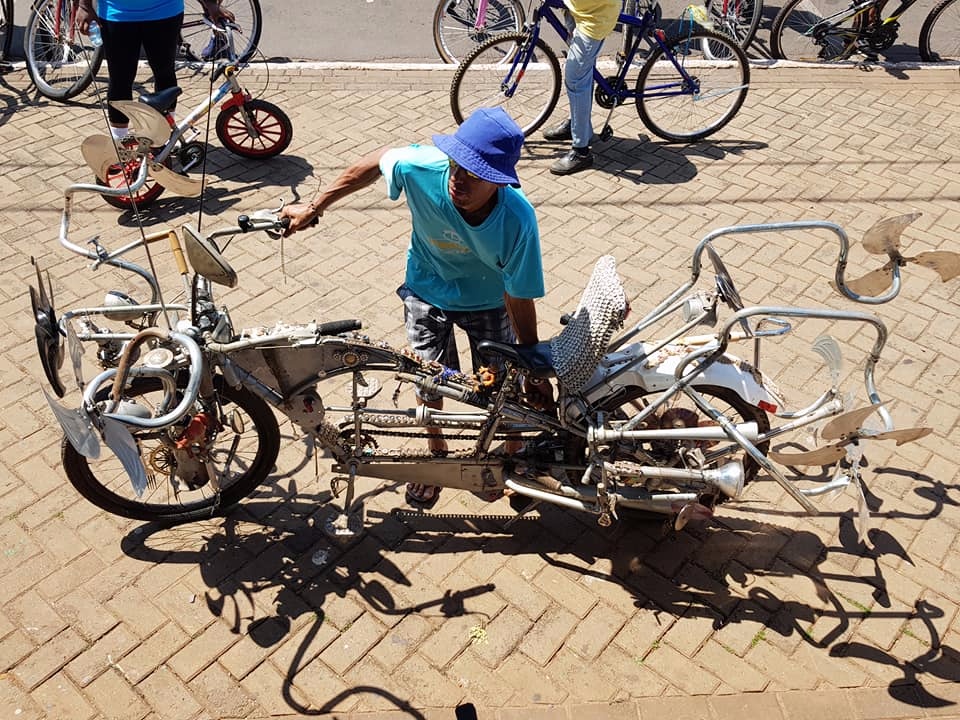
(230,85)
(481,20)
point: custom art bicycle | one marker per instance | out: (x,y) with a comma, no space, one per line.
(674,425)
(246,126)
(835,30)
(62,62)
(689,87)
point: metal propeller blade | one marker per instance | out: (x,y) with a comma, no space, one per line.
(873,283)
(119,439)
(77,428)
(901,436)
(848,424)
(75,350)
(99,154)
(821,456)
(144,121)
(180,184)
(944,262)
(884,237)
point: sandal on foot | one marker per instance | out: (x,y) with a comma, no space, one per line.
(422,496)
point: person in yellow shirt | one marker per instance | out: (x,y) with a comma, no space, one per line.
(592,21)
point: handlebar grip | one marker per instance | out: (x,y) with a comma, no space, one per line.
(338,326)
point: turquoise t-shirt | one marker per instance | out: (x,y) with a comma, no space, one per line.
(137,10)
(454,265)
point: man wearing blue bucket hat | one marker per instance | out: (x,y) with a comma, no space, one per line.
(474,255)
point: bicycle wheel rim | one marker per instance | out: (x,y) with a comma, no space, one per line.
(800,32)
(61,61)
(667,106)
(940,35)
(454,25)
(198,43)
(481,77)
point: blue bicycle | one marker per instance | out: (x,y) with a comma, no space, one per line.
(689,86)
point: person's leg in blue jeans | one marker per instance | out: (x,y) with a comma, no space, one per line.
(578,79)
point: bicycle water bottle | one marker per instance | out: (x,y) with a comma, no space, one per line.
(96,39)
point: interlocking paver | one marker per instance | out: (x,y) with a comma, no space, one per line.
(203,622)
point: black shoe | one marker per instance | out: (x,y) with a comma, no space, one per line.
(559,132)
(574,161)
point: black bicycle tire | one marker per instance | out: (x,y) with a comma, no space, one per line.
(6,28)
(33,64)
(83,479)
(776,33)
(696,37)
(286,127)
(442,47)
(751,29)
(193,18)
(927,54)
(518,39)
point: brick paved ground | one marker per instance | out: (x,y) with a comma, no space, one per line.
(763,613)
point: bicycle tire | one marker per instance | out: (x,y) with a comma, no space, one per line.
(6,27)
(740,20)
(61,62)
(800,33)
(723,86)
(940,34)
(479,80)
(198,43)
(108,487)
(272,124)
(454,34)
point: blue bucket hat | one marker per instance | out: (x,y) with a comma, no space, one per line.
(487,144)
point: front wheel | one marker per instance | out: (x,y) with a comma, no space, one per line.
(692,86)
(801,32)
(254,129)
(507,71)
(61,61)
(242,442)
(940,34)
(455,31)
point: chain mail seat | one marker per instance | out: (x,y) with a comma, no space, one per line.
(573,355)
(578,348)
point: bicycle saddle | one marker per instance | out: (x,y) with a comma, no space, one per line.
(536,359)
(163,100)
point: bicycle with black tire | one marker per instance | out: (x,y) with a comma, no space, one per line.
(689,86)
(835,30)
(62,62)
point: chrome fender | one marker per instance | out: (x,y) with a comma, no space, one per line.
(657,371)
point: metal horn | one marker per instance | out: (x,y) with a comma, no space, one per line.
(727,478)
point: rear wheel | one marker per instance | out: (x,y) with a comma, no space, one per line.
(61,61)
(121,175)
(680,411)
(801,32)
(242,443)
(199,43)
(737,18)
(455,31)
(678,111)
(940,34)
(497,73)
(271,133)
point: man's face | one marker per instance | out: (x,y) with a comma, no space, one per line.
(468,192)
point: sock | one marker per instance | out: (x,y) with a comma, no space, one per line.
(119,133)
